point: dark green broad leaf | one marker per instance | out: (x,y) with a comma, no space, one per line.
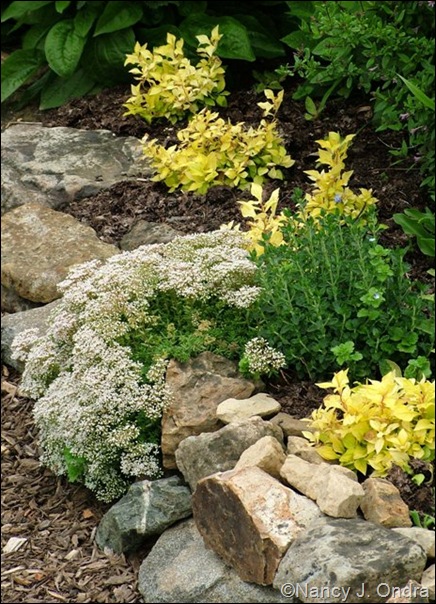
(33,38)
(17,69)
(85,18)
(191,7)
(327,48)
(62,6)
(117,16)
(415,222)
(104,56)
(302,10)
(263,42)
(16,10)
(63,48)
(427,245)
(297,39)
(59,91)
(235,43)
(156,36)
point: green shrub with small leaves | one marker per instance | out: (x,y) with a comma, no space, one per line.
(169,85)
(385,49)
(213,151)
(331,294)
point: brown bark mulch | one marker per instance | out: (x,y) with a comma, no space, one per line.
(59,561)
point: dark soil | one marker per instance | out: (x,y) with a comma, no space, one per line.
(59,563)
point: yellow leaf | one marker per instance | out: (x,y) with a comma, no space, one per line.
(361,465)
(257,192)
(327,452)
(247,209)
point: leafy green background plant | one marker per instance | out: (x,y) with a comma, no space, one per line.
(421,225)
(68,49)
(374,47)
(332,293)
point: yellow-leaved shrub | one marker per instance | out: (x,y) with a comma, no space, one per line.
(213,151)
(331,192)
(169,85)
(375,425)
(262,219)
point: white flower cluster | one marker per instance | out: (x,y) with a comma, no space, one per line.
(263,358)
(93,402)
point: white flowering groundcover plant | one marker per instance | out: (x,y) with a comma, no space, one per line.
(98,374)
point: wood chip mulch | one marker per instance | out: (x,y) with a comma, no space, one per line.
(51,523)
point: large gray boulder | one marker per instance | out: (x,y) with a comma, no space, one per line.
(147,509)
(54,166)
(179,568)
(353,557)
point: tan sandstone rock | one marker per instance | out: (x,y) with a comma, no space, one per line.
(234,410)
(383,505)
(40,245)
(334,488)
(246,517)
(198,387)
(267,454)
(301,447)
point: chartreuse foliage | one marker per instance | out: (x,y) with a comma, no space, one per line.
(330,195)
(213,151)
(373,426)
(331,192)
(262,219)
(169,85)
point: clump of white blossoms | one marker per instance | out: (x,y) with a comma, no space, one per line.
(261,358)
(98,410)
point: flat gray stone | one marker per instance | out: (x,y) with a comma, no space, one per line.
(179,568)
(349,555)
(54,166)
(15,303)
(147,233)
(291,426)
